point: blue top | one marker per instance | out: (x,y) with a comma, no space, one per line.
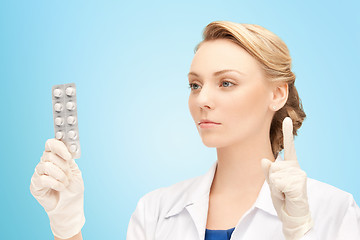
(218,234)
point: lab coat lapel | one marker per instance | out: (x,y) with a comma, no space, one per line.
(196,200)
(264,201)
(198,203)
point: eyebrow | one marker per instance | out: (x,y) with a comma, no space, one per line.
(218,72)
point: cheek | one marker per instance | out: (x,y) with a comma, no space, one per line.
(245,107)
(191,105)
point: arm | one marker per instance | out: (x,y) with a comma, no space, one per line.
(76,237)
(310,235)
(350,224)
(136,227)
(143,221)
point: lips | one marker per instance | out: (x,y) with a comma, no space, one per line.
(207,121)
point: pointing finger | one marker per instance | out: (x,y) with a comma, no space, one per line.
(289,146)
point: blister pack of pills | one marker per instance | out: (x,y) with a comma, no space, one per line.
(65,117)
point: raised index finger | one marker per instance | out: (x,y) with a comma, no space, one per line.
(289,146)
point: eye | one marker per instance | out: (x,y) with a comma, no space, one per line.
(191,85)
(194,86)
(226,85)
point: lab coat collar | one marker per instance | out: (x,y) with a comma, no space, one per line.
(196,197)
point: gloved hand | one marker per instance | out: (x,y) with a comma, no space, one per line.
(58,186)
(287,182)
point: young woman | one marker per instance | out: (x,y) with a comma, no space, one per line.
(244,103)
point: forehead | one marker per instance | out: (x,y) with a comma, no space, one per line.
(219,54)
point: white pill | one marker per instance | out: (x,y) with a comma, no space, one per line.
(72,134)
(70,106)
(70,91)
(58,107)
(59,135)
(57,93)
(59,121)
(71,120)
(73,148)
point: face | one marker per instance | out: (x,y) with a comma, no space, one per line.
(238,100)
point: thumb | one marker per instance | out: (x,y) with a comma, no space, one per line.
(266,164)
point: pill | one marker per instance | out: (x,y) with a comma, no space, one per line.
(57,93)
(73,148)
(71,120)
(58,107)
(72,134)
(70,106)
(59,135)
(70,91)
(59,121)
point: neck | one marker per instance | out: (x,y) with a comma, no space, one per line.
(239,169)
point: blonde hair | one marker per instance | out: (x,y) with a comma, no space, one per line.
(274,58)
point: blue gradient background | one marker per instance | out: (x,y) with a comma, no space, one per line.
(129,62)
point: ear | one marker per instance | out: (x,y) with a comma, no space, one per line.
(280,94)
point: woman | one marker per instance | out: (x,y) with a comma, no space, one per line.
(244,103)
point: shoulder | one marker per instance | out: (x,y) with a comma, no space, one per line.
(154,208)
(324,190)
(161,200)
(171,190)
(327,199)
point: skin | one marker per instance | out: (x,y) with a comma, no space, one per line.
(242,104)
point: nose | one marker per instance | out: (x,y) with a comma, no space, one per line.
(205,98)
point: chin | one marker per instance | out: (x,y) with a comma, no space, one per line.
(221,140)
(213,142)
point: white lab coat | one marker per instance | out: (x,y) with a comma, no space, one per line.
(179,212)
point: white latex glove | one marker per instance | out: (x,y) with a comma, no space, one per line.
(287,182)
(58,186)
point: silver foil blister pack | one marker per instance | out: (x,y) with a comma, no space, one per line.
(65,117)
